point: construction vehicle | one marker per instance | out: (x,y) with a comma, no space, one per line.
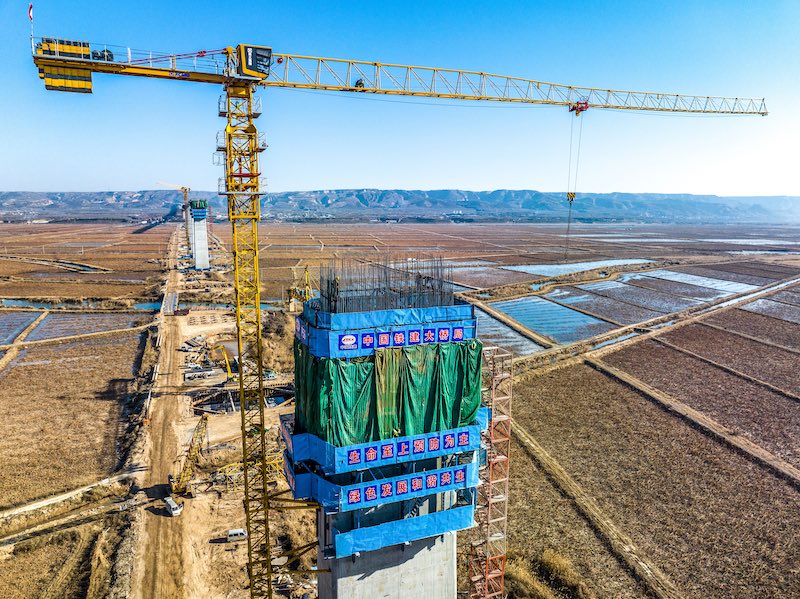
(174,508)
(69,66)
(180,485)
(225,357)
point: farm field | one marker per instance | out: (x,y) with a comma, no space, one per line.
(763,416)
(493,332)
(604,307)
(13,323)
(80,261)
(61,406)
(65,324)
(774,365)
(541,518)
(788,296)
(757,325)
(28,568)
(682,497)
(779,310)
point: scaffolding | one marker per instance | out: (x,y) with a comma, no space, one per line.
(488,551)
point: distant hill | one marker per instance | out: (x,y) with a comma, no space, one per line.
(398,204)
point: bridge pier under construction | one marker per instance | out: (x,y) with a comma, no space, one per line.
(389,435)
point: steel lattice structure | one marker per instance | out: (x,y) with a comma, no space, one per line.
(336,74)
(69,66)
(243,190)
(488,552)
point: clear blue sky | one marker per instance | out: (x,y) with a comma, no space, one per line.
(131,133)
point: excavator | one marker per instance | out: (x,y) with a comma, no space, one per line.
(225,357)
(180,485)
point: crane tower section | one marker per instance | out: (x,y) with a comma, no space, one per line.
(243,190)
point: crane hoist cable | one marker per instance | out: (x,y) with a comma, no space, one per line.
(572,184)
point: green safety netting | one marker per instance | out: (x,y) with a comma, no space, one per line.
(398,392)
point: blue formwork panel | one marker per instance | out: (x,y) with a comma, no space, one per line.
(346,498)
(305,447)
(400,531)
(357,334)
(359,342)
(385,318)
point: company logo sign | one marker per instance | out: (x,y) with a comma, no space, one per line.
(348,342)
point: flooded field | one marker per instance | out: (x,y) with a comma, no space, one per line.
(557,322)
(76,323)
(13,323)
(728,287)
(774,309)
(552,270)
(493,332)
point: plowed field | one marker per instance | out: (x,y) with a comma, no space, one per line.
(716,523)
(766,418)
(763,362)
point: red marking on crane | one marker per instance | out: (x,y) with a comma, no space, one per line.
(579,107)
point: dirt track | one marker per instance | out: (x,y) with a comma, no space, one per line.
(159,565)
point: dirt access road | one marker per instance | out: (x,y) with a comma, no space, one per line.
(159,565)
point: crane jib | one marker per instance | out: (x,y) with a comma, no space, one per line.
(68,65)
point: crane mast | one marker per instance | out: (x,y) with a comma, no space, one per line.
(243,191)
(66,65)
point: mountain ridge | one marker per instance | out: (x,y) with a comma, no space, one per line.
(400,204)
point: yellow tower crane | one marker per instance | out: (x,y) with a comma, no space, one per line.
(66,65)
